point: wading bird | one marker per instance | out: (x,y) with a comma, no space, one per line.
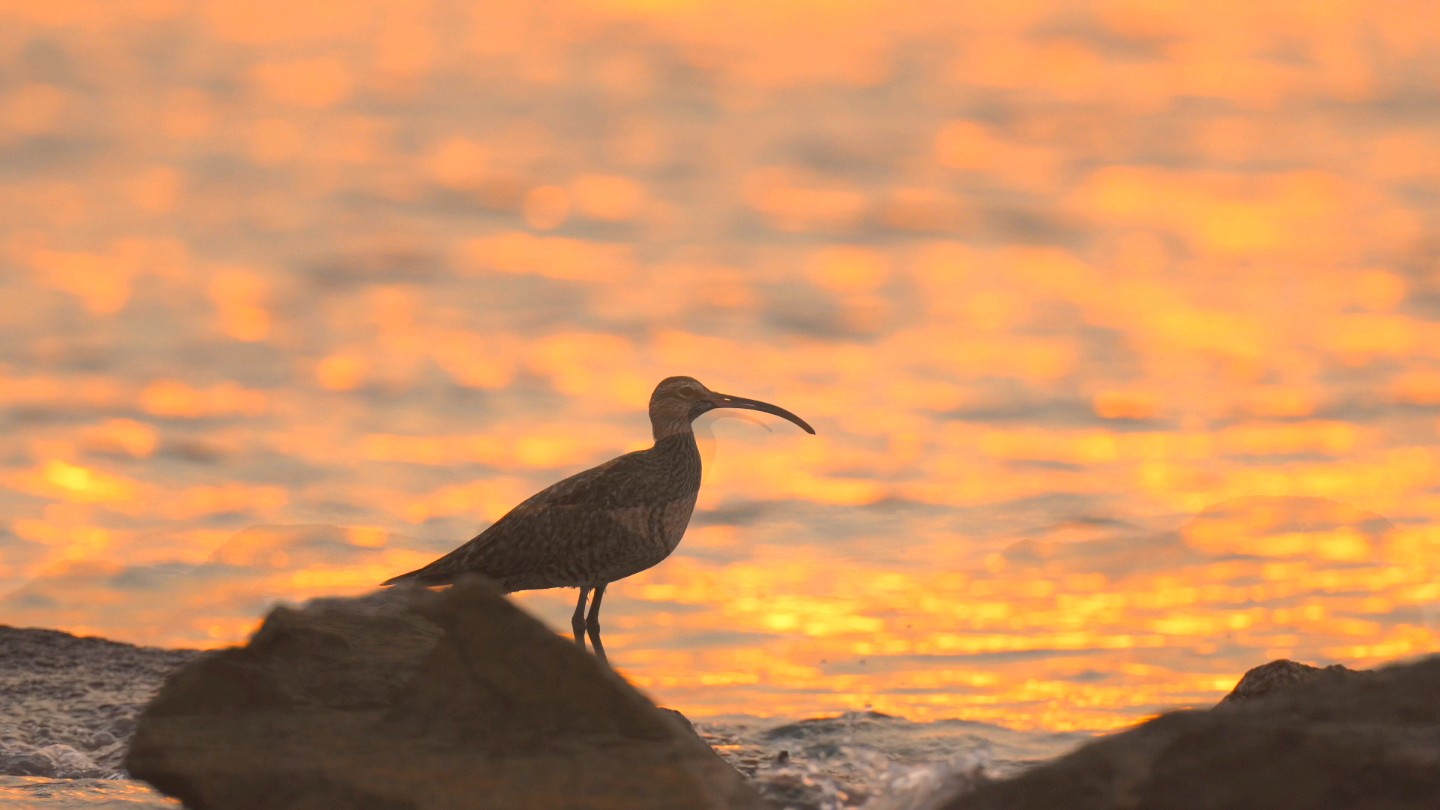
(602,524)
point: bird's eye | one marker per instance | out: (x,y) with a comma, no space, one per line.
(687,392)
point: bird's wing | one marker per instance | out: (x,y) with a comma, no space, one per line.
(618,483)
(549,528)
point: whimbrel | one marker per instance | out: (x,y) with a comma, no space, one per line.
(602,524)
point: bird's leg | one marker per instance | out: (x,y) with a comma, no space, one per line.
(577,622)
(593,623)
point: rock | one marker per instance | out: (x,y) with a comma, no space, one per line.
(20,762)
(1282,674)
(1357,741)
(416,699)
(69,763)
(53,762)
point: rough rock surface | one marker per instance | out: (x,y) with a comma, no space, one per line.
(68,704)
(1283,674)
(414,699)
(1364,741)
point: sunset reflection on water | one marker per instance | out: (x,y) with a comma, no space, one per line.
(1117,323)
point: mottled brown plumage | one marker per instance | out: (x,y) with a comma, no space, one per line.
(602,524)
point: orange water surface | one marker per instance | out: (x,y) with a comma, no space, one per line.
(1119,322)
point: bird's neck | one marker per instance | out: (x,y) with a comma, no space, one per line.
(681,455)
(666,428)
(682,444)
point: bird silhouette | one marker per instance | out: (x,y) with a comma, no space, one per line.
(605,523)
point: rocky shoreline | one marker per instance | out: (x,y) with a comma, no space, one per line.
(418,699)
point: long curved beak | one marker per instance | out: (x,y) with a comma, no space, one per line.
(727,401)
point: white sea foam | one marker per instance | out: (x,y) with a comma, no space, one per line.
(873,761)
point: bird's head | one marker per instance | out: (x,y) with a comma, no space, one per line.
(678,400)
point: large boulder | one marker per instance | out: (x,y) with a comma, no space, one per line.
(415,699)
(1325,741)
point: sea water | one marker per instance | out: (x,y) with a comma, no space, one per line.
(1117,324)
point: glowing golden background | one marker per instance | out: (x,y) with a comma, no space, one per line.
(1117,321)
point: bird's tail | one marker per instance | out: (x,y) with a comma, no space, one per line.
(427,576)
(420,576)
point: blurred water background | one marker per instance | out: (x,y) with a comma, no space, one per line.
(1119,322)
